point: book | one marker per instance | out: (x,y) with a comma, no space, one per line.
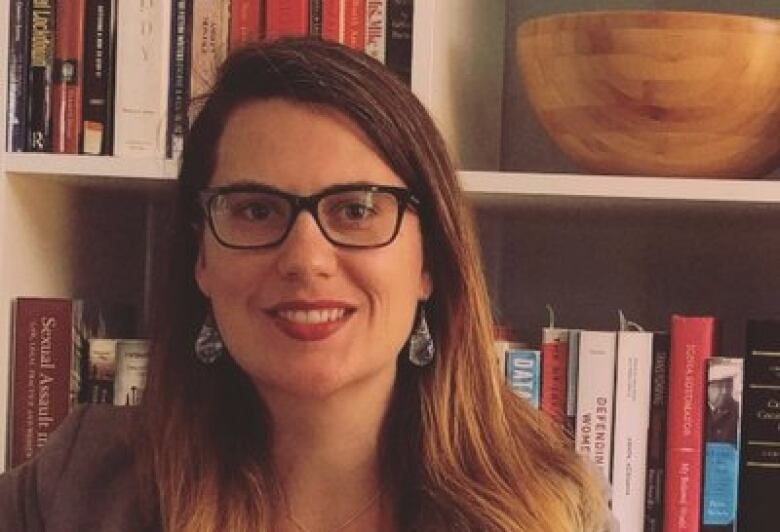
(179,78)
(132,362)
(523,373)
(97,126)
(315,18)
(595,398)
(760,447)
(68,74)
(355,24)
(45,373)
(633,375)
(504,339)
(656,442)
(555,356)
(333,20)
(286,18)
(142,40)
(376,29)
(102,370)
(245,22)
(398,42)
(210,33)
(572,371)
(40,76)
(692,343)
(721,444)
(18,63)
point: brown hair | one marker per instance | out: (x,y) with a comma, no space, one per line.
(458,450)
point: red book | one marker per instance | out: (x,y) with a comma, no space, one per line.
(286,17)
(355,24)
(245,18)
(555,358)
(45,373)
(66,93)
(692,343)
(332,20)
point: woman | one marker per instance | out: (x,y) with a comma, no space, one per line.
(324,354)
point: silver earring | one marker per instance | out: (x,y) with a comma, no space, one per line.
(421,347)
(208,345)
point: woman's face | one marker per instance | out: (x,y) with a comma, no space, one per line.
(307,317)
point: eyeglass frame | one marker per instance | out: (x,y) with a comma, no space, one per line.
(405,198)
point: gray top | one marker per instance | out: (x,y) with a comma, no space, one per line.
(82,480)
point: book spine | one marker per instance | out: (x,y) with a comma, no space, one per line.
(18,63)
(571,382)
(132,362)
(286,18)
(375,29)
(760,453)
(692,344)
(332,22)
(721,447)
(179,76)
(398,54)
(102,370)
(68,74)
(523,367)
(555,355)
(143,37)
(209,46)
(41,76)
(656,444)
(632,420)
(244,22)
(595,400)
(43,379)
(97,135)
(355,24)
(315,19)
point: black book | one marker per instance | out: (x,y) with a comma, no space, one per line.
(760,456)
(97,126)
(398,44)
(18,63)
(40,76)
(179,86)
(656,441)
(315,18)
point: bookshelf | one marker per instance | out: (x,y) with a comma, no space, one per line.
(588,245)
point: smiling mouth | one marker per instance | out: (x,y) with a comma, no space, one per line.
(312,317)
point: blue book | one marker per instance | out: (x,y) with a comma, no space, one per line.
(524,373)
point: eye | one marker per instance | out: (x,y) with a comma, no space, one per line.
(357,211)
(252,211)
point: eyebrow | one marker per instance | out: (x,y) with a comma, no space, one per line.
(248,186)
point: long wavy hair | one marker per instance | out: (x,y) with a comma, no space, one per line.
(457,450)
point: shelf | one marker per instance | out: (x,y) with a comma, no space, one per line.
(93,166)
(495,184)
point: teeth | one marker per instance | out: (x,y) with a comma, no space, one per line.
(313,316)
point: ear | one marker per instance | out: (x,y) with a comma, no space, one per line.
(201,272)
(426,286)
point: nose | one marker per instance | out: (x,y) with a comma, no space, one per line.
(306,252)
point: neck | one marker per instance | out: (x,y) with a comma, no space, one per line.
(325,451)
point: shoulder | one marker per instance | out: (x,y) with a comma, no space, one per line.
(84,478)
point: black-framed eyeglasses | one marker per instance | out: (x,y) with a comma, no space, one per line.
(251,216)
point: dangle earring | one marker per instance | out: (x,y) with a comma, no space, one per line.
(421,346)
(209,345)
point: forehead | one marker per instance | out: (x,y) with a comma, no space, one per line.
(297,147)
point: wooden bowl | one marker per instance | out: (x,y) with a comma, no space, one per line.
(657,93)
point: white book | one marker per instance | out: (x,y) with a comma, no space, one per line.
(634,370)
(209,47)
(132,362)
(595,398)
(376,28)
(143,36)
